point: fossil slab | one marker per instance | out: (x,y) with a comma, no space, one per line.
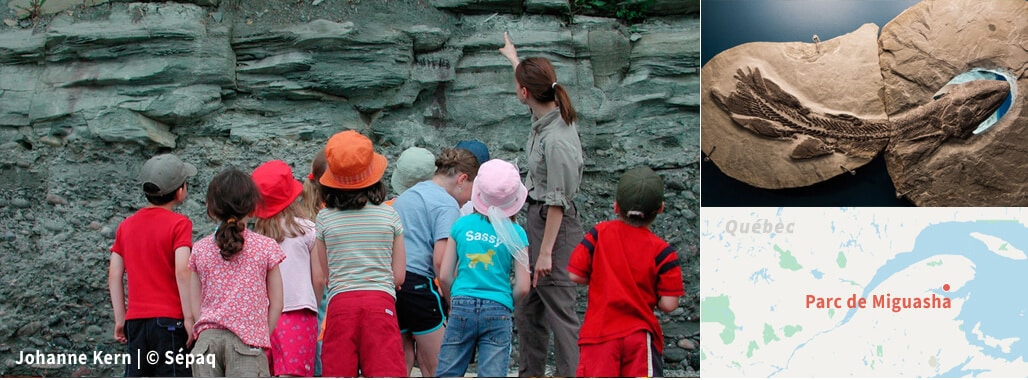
(840,76)
(922,49)
(761,106)
(782,115)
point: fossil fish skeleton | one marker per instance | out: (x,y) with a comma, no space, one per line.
(762,107)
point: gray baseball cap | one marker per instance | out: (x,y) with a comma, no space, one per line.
(166,173)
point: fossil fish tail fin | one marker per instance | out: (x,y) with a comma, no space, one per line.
(757,97)
(767,89)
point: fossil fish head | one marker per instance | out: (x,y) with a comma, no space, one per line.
(964,106)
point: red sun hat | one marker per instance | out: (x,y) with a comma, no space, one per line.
(352,162)
(278,187)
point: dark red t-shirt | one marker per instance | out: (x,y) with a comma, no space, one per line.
(628,269)
(147,241)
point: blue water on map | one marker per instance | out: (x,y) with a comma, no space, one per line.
(993,299)
(817,274)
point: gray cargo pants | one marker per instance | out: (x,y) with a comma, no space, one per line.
(550,306)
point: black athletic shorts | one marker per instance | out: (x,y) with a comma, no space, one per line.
(419,307)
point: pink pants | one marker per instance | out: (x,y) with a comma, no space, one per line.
(294,344)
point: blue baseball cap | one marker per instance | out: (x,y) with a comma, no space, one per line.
(476,148)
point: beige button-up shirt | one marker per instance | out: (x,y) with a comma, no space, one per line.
(555,161)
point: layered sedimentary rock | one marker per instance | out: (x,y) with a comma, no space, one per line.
(88,94)
(160,62)
(925,47)
(479,6)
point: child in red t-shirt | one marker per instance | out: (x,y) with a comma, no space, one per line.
(629,271)
(152,247)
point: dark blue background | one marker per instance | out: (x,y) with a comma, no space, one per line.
(728,23)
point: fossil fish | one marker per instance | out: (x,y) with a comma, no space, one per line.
(762,107)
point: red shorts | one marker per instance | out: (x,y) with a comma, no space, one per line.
(294,344)
(361,333)
(632,356)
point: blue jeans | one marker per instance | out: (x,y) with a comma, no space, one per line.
(475,321)
(322,309)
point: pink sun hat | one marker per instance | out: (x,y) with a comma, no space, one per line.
(498,184)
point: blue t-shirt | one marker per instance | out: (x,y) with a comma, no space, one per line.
(483,262)
(427,212)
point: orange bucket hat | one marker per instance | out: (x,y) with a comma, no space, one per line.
(352,162)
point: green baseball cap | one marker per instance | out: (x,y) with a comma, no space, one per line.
(640,191)
(414,165)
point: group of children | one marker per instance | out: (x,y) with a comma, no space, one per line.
(251,297)
(333,279)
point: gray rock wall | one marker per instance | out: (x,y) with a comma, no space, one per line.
(87,94)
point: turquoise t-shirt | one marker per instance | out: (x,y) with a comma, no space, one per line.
(483,262)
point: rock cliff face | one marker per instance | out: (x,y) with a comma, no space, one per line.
(88,93)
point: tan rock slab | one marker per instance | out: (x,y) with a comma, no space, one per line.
(922,49)
(840,75)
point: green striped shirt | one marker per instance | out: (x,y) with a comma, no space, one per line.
(360,247)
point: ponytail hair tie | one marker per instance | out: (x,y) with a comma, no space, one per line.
(310,177)
(231,220)
(553,86)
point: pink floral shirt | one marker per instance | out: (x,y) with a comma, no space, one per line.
(234,293)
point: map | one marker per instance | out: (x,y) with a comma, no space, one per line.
(871,292)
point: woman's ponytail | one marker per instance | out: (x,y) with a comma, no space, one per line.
(567,111)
